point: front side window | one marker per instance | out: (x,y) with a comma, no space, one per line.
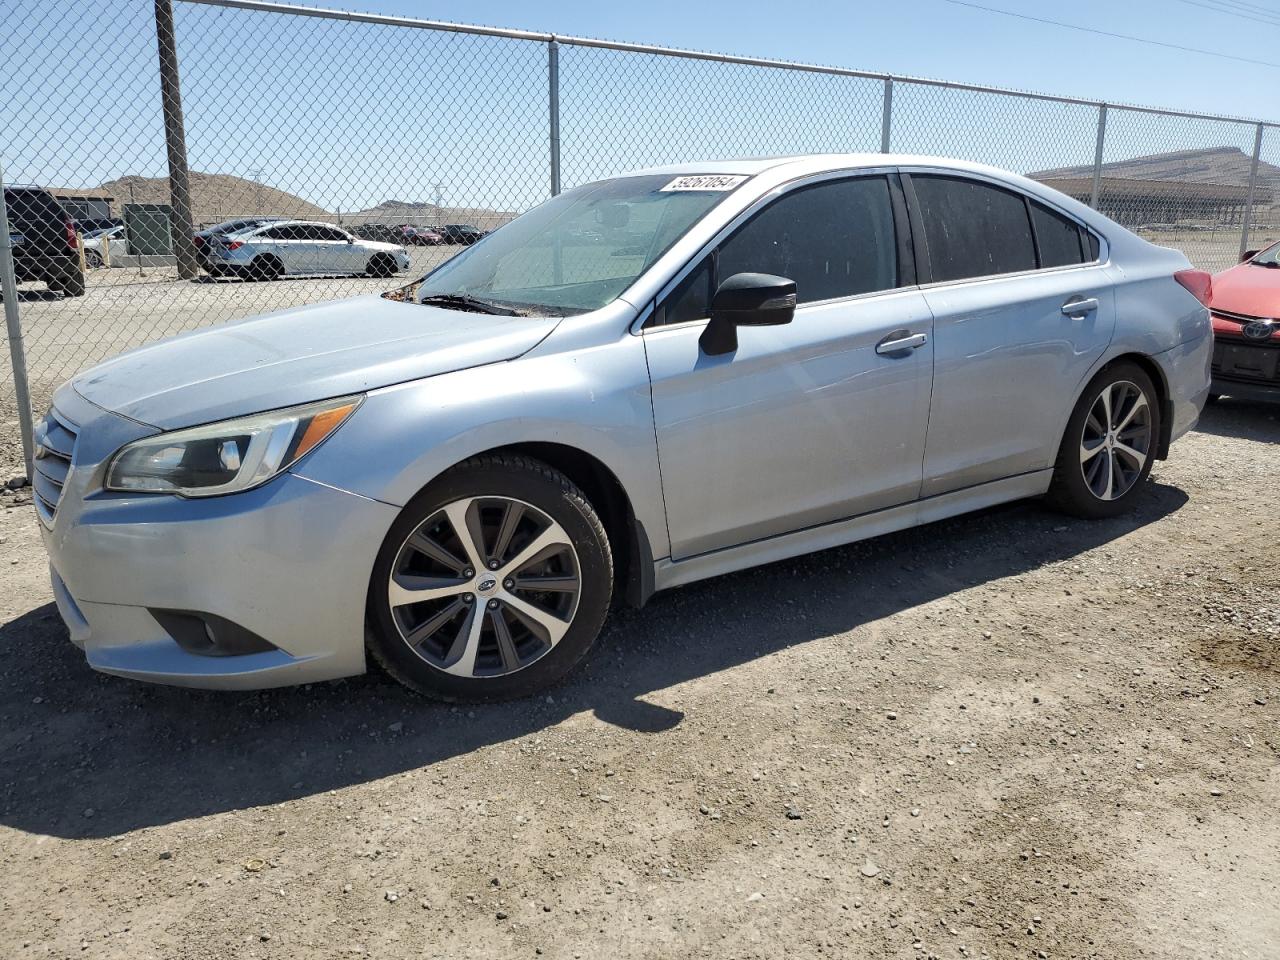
(580,250)
(834,239)
(973,229)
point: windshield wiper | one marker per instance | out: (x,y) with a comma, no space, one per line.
(1267,263)
(461,301)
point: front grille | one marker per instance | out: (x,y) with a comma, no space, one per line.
(55,445)
(1240,318)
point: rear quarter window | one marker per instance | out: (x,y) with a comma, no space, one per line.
(1059,239)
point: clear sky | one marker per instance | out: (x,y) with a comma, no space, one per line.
(349,115)
(933,38)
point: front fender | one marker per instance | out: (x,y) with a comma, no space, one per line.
(596,400)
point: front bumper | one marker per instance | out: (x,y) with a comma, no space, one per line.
(1248,371)
(289,561)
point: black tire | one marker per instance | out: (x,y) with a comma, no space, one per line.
(266,268)
(381,265)
(553,495)
(1070,490)
(70,283)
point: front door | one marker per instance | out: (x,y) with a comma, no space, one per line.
(804,423)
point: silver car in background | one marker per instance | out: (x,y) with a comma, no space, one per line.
(648,380)
(299,247)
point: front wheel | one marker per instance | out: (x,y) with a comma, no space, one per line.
(1109,446)
(492,584)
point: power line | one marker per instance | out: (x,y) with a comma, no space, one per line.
(1243,13)
(1114,36)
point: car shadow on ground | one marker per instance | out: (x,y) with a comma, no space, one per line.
(1243,419)
(137,755)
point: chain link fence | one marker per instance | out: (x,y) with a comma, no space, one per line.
(354,130)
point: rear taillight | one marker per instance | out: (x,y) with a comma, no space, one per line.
(1198,283)
(197,241)
(72,240)
(233,244)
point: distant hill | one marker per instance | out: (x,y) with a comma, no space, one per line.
(214,197)
(406,211)
(219,196)
(1226,165)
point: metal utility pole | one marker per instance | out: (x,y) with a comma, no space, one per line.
(17,352)
(175,143)
(553,101)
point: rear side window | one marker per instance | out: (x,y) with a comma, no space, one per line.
(34,206)
(1057,237)
(973,229)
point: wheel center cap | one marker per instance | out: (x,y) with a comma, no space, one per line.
(487,584)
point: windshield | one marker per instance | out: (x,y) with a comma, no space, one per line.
(580,250)
(1270,257)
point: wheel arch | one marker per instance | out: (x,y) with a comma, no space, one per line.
(628,540)
(1152,369)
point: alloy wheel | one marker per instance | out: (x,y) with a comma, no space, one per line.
(484,587)
(1116,442)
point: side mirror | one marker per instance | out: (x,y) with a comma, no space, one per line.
(1248,255)
(746,300)
(351,239)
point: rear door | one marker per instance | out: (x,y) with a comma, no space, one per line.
(333,253)
(1022,307)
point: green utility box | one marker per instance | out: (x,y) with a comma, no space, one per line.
(147,227)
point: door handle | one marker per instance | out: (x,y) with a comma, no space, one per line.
(900,342)
(1077,307)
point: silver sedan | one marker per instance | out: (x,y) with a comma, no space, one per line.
(647,380)
(300,247)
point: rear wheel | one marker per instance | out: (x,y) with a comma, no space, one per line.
(265,268)
(381,265)
(492,584)
(1109,446)
(92,259)
(71,283)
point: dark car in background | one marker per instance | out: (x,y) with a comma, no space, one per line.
(463,233)
(1244,303)
(97,224)
(46,247)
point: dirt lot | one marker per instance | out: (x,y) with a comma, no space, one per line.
(1007,735)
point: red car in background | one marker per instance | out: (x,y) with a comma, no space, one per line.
(1245,302)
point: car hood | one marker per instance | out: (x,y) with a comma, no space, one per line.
(1252,291)
(299,355)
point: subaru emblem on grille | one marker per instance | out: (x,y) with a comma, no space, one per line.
(1259,329)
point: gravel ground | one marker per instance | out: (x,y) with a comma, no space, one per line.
(1010,735)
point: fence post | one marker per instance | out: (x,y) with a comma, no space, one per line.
(1097,155)
(17,352)
(175,139)
(886,115)
(1253,182)
(553,101)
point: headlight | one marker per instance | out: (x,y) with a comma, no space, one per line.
(226,457)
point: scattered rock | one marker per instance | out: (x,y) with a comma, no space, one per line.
(793,812)
(870,869)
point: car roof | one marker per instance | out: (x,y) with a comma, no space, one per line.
(813,163)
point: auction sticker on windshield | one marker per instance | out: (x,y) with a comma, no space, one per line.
(703,182)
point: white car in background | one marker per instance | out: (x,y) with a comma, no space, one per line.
(300,247)
(95,250)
